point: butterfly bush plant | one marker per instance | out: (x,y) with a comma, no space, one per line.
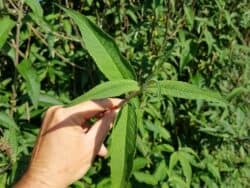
(122,81)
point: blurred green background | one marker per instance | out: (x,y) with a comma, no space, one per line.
(181,142)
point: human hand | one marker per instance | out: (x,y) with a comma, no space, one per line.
(67,145)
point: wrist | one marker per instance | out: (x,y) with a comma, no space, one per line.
(31,179)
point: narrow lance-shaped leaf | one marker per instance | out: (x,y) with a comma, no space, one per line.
(145,178)
(184,90)
(6,121)
(48,100)
(123,147)
(6,25)
(32,81)
(35,6)
(186,167)
(102,48)
(208,37)
(108,89)
(185,56)
(189,16)
(161,171)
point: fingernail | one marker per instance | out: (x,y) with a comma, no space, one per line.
(117,111)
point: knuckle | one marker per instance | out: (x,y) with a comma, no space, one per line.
(54,110)
(59,112)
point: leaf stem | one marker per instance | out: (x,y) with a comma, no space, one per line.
(127,99)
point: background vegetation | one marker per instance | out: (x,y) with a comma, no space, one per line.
(180,143)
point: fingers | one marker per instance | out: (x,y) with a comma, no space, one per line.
(99,130)
(91,108)
(103,151)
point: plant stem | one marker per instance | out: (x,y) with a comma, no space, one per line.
(12,4)
(18,28)
(19,10)
(127,99)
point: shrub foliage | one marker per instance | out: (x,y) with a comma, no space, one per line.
(160,52)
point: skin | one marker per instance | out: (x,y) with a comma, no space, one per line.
(67,144)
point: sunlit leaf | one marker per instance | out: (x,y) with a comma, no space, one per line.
(164,133)
(173,161)
(165,147)
(32,81)
(185,56)
(178,182)
(108,89)
(139,163)
(6,121)
(209,40)
(123,147)
(6,25)
(209,182)
(102,48)
(161,171)
(35,7)
(214,171)
(48,100)
(145,178)
(187,170)
(189,16)
(184,90)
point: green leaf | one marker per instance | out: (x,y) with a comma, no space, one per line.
(48,100)
(108,89)
(236,92)
(209,40)
(10,134)
(32,81)
(3,180)
(164,133)
(189,16)
(145,178)
(187,170)
(184,90)
(164,185)
(123,147)
(102,48)
(165,147)
(161,171)
(188,150)
(209,182)
(35,7)
(214,171)
(185,56)
(11,137)
(178,182)
(173,160)
(6,25)
(139,163)
(7,122)
(142,147)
